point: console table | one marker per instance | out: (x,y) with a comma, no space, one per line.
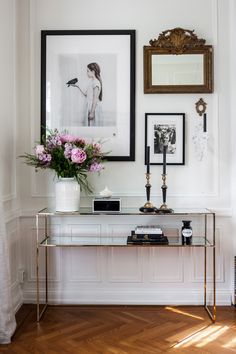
(204,240)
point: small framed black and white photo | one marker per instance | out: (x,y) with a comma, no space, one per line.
(165,129)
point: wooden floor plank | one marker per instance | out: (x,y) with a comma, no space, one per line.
(123,330)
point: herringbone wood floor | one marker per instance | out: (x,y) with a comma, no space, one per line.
(123,330)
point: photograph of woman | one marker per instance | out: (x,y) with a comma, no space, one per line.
(92,95)
(88,87)
(164,134)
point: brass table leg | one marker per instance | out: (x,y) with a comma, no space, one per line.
(37,265)
(212,314)
(40,314)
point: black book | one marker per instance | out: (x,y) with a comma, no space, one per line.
(147,239)
(161,241)
(146,236)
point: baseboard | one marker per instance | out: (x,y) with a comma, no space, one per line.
(134,297)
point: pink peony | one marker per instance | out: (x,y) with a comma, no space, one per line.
(78,155)
(68,149)
(39,149)
(81,141)
(97,146)
(47,158)
(67,138)
(96,167)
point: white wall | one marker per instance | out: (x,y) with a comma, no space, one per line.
(8,140)
(233,114)
(199,183)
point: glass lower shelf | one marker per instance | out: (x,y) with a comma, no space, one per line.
(68,241)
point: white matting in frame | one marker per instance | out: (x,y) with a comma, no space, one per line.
(168,127)
(65,57)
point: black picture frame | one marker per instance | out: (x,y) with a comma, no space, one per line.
(65,55)
(171,125)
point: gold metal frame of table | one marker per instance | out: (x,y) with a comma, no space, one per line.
(199,242)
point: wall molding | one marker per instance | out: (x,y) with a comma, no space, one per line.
(13,193)
(220,263)
(17,296)
(12,215)
(157,274)
(215,21)
(9,197)
(164,296)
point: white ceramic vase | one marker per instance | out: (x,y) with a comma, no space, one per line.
(67,192)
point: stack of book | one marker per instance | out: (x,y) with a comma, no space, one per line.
(147,234)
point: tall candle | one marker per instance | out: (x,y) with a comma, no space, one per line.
(204,122)
(164,159)
(148,159)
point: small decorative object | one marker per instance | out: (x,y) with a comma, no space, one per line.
(106,205)
(106,193)
(187,232)
(148,206)
(201,106)
(71,158)
(201,109)
(164,208)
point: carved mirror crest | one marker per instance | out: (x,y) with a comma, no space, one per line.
(178,62)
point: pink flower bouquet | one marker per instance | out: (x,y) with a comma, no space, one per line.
(68,156)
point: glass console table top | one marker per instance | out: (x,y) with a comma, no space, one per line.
(126,211)
(121,241)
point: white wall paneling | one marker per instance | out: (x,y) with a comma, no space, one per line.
(120,275)
(167,265)
(8,138)
(30,257)
(14,248)
(8,99)
(129,269)
(206,186)
(198,258)
(232,130)
(123,275)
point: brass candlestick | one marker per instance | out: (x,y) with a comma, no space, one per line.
(164,208)
(148,206)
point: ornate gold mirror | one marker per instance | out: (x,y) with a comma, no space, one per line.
(178,62)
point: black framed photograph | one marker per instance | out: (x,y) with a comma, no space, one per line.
(168,129)
(88,87)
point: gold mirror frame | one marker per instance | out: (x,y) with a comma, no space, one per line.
(178,41)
